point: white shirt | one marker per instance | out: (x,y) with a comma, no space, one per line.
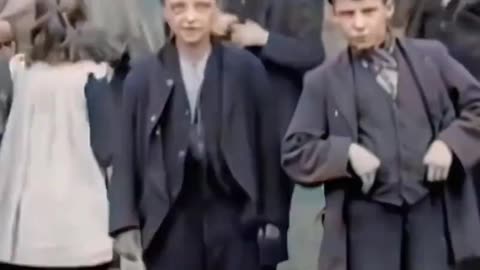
(193,74)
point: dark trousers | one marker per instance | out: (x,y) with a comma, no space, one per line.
(398,238)
(202,232)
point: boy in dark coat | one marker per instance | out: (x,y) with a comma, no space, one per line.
(389,127)
(189,175)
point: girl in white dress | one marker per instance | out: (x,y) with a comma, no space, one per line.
(53,199)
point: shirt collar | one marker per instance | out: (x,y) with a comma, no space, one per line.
(198,66)
(382,56)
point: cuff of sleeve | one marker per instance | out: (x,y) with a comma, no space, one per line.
(117,232)
(271,48)
(454,141)
(340,159)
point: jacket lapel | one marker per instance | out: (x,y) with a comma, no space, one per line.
(161,83)
(423,70)
(343,84)
(342,87)
(227,80)
(234,118)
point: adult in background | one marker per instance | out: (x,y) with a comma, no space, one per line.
(20,15)
(286,36)
(139,23)
(16,20)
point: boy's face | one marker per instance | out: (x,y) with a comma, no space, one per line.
(190,20)
(363,22)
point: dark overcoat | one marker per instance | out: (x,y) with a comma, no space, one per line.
(315,149)
(458,28)
(294,47)
(141,195)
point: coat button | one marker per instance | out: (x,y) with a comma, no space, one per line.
(153,118)
(157,132)
(336,113)
(169,82)
(182,154)
(443,25)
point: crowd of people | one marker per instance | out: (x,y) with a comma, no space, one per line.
(227,135)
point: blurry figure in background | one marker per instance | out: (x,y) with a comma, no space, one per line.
(104,96)
(457,26)
(7,50)
(140,23)
(16,20)
(53,199)
(411,16)
(418,15)
(286,36)
(333,40)
(20,15)
(131,29)
(104,103)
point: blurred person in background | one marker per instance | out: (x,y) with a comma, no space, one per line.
(7,50)
(53,198)
(455,23)
(20,15)
(139,23)
(16,19)
(286,36)
(388,127)
(457,26)
(132,29)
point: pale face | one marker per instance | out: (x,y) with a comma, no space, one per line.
(190,20)
(363,22)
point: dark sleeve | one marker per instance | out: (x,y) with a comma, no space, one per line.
(268,147)
(295,30)
(100,109)
(6,93)
(310,155)
(124,184)
(463,134)
(421,14)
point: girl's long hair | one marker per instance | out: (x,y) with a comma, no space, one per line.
(62,33)
(55,35)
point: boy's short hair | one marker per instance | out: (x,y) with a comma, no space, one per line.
(332,2)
